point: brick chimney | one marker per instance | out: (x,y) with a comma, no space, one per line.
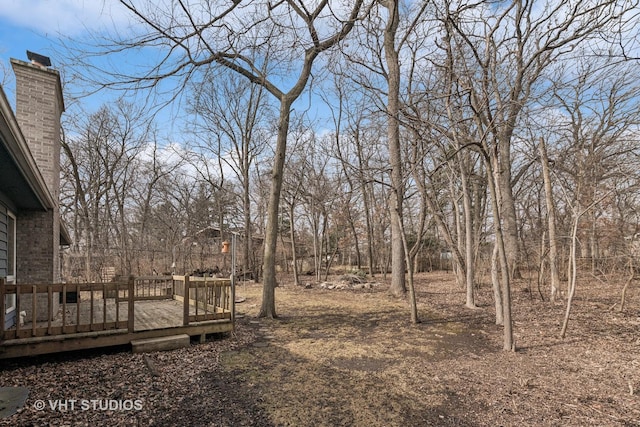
(39,105)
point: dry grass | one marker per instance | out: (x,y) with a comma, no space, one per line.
(339,357)
(352,358)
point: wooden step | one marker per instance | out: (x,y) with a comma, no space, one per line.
(170,342)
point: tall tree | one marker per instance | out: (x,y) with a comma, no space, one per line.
(504,52)
(238,35)
(551,220)
(500,55)
(230,123)
(599,112)
(99,166)
(391,55)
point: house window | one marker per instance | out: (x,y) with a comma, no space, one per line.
(10,300)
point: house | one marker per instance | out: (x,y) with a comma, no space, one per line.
(31,233)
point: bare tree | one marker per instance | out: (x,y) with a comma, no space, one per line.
(501,54)
(230,122)
(294,182)
(551,220)
(572,274)
(596,139)
(317,198)
(148,192)
(5,75)
(99,168)
(290,34)
(358,150)
(341,116)
(391,56)
(526,41)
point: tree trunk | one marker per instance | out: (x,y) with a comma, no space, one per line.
(294,257)
(572,273)
(572,269)
(247,262)
(268,308)
(495,280)
(508,208)
(468,233)
(505,289)
(459,267)
(551,219)
(413,304)
(398,287)
(367,210)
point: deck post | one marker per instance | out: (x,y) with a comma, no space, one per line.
(18,305)
(34,300)
(64,306)
(78,306)
(233,300)
(185,315)
(50,305)
(2,307)
(131,307)
(117,301)
(104,305)
(232,282)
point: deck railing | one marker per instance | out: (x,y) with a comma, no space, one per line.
(210,297)
(66,308)
(148,288)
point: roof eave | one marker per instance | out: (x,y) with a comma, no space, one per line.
(19,151)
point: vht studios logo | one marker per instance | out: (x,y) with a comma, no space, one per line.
(64,405)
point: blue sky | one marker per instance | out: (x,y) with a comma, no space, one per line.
(39,25)
(36,25)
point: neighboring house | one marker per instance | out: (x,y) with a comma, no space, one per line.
(30,229)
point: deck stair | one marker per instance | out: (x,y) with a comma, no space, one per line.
(170,342)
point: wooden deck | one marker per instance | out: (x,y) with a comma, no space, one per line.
(63,317)
(159,314)
(149,314)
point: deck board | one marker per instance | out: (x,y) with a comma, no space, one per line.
(151,314)
(158,314)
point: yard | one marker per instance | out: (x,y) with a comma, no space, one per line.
(350,357)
